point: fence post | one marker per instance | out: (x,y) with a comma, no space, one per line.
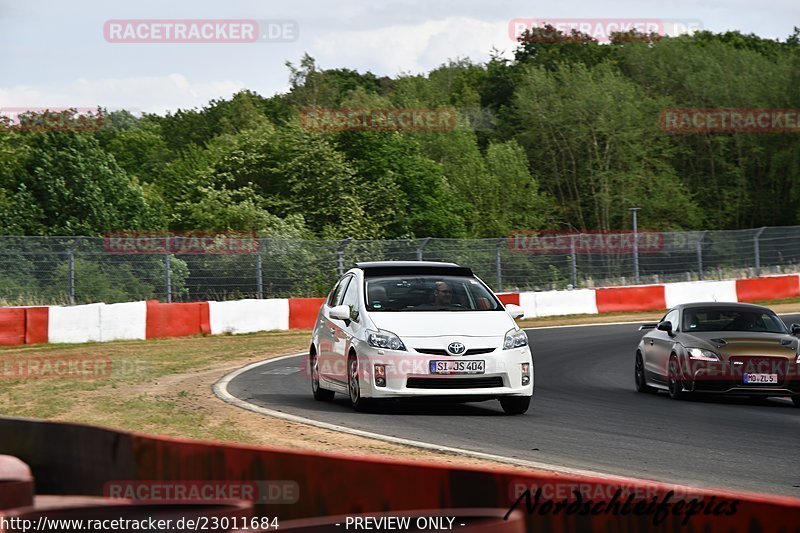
(71,278)
(573,263)
(71,270)
(634,211)
(259,275)
(421,246)
(168,273)
(498,266)
(699,249)
(757,250)
(340,255)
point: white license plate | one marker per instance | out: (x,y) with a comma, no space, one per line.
(761,378)
(458,367)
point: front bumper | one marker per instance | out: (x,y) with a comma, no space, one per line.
(408,374)
(726,378)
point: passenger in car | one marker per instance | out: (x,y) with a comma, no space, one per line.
(377,296)
(443,294)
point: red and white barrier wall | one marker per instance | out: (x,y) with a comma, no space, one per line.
(653,297)
(152,320)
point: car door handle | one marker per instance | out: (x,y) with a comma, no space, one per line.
(333,331)
(652,342)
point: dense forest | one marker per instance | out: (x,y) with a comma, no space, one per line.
(565,135)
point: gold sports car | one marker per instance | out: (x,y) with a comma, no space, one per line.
(730,348)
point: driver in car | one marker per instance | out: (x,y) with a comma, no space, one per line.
(443,294)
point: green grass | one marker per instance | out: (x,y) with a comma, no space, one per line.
(138,393)
(769,303)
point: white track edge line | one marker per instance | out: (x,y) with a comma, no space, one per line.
(220,389)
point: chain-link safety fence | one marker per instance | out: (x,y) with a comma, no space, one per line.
(65,270)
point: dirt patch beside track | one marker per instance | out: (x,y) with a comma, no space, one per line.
(166,389)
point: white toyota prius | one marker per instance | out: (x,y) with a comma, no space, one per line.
(419,329)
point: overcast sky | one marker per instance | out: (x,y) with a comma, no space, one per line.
(55,53)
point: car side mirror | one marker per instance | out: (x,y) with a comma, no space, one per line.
(665,326)
(795,329)
(340,312)
(515,311)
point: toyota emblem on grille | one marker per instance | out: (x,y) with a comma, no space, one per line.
(456,348)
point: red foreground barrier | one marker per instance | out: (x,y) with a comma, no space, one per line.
(620,299)
(303,312)
(80,459)
(16,483)
(772,288)
(177,319)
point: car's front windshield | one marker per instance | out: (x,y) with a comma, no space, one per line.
(428,293)
(700,319)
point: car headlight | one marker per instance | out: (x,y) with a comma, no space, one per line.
(515,338)
(385,339)
(699,354)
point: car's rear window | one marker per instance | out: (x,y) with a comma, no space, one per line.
(428,293)
(699,319)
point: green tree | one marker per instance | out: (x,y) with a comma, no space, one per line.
(747,176)
(520,202)
(549,48)
(77,188)
(594,143)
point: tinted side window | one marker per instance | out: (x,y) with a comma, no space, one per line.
(338,291)
(351,299)
(674,317)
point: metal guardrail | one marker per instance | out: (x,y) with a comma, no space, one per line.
(65,270)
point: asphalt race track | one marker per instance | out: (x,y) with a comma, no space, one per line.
(585,414)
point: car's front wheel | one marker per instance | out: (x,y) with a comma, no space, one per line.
(320,394)
(641,383)
(515,405)
(358,402)
(674,380)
